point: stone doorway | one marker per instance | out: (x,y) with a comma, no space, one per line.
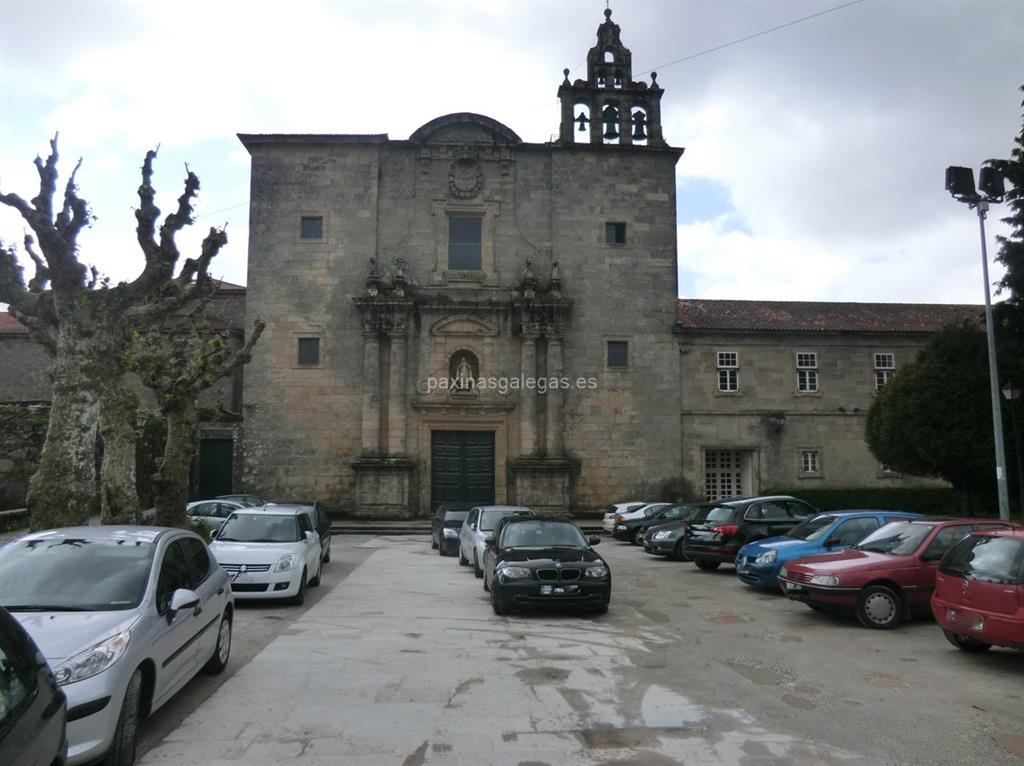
(461,467)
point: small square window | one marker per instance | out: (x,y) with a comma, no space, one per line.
(807,360)
(309,351)
(615,233)
(809,462)
(312,227)
(728,359)
(618,353)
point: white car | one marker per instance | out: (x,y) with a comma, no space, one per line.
(620,509)
(478,526)
(125,616)
(269,553)
(213,512)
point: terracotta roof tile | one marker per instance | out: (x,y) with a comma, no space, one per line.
(807,316)
(11,326)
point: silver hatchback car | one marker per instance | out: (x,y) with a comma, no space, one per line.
(478,526)
(125,616)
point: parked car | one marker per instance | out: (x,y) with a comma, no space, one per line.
(665,538)
(645,511)
(545,562)
(33,708)
(213,512)
(979,591)
(478,526)
(269,552)
(125,616)
(884,578)
(620,509)
(733,523)
(317,520)
(448,525)
(631,526)
(758,563)
(436,521)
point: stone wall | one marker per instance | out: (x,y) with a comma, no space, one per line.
(22,433)
(24,369)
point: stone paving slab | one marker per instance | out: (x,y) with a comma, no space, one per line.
(405,663)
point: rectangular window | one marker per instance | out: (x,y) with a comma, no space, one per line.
(618,353)
(309,351)
(615,233)
(807,372)
(312,227)
(728,363)
(885,368)
(464,238)
(809,462)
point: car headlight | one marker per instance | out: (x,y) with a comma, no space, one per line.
(450,533)
(783,572)
(285,563)
(596,573)
(662,535)
(824,580)
(93,660)
(767,558)
(515,573)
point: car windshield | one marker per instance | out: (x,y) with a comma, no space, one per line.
(899,538)
(812,529)
(997,559)
(488,519)
(68,574)
(721,513)
(654,510)
(455,516)
(259,528)
(543,534)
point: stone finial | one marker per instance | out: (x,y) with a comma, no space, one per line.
(399,280)
(565,73)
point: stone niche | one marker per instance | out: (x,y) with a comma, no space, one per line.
(384,487)
(543,484)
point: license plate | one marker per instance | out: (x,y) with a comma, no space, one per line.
(792,587)
(556,590)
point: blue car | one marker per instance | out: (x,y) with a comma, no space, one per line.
(758,563)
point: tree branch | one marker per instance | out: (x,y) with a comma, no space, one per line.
(43,202)
(147,213)
(38,283)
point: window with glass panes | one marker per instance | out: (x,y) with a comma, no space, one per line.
(464,238)
(807,371)
(728,365)
(885,368)
(809,461)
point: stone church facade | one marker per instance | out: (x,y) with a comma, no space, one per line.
(384,266)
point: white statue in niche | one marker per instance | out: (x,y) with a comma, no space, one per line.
(464,375)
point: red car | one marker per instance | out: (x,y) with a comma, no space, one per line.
(886,577)
(979,591)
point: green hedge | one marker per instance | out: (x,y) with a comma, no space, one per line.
(933,501)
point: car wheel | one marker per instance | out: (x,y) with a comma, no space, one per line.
(327,553)
(635,539)
(440,550)
(879,607)
(433,542)
(677,552)
(477,571)
(122,748)
(707,566)
(486,586)
(222,651)
(300,598)
(316,580)
(498,604)
(966,643)
(463,561)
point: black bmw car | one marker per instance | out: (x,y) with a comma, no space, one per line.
(446,525)
(539,562)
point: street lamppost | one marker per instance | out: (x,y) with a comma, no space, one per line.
(1011,393)
(960,184)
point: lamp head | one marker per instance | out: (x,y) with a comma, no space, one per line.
(960,183)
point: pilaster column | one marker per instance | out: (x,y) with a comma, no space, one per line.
(528,400)
(371,394)
(555,396)
(396,395)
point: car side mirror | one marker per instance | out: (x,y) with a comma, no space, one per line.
(182,599)
(490,542)
(214,532)
(832,542)
(309,536)
(933,556)
(593,540)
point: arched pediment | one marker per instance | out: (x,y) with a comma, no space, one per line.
(465,128)
(463,325)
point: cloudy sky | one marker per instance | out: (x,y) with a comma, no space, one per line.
(814,153)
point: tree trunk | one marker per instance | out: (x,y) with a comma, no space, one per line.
(63,491)
(119,499)
(171,480)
